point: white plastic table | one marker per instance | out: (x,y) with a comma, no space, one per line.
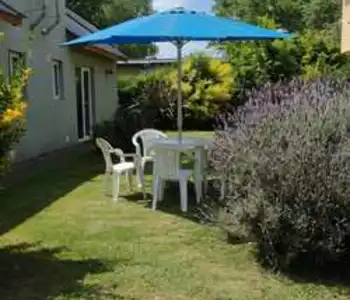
(189,146)
(185,143)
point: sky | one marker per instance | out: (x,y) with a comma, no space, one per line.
(167,50)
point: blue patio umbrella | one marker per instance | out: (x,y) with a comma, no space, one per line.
(178,26)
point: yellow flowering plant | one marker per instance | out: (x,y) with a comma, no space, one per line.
(207,85)
(12,113)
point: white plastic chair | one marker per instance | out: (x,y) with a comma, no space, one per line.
(167,168)
(116,170)
(146,136)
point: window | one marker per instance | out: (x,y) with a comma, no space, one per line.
(57,79)
(16,64)
(16,61)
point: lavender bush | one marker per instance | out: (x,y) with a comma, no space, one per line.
(286,159)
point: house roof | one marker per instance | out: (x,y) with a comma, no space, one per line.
(77,26)
(10,14)
(152,61)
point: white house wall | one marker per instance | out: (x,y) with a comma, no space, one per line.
(52,123)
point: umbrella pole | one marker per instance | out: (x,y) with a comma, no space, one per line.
(179,45)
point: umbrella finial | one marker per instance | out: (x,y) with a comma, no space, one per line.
(180,10)
(177,10)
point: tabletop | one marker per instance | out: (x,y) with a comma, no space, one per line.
(184,144)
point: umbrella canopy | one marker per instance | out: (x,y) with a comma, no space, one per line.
(178,26)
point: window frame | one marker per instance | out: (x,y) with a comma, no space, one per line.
(57,79)
(12,54)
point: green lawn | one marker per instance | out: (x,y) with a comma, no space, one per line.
(63,239)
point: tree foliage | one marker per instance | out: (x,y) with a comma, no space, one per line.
(104,13)
(311,53)
(90,10)
(292,15)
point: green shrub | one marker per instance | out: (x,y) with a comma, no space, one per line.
(12,114)
(286,156)
(146,102)
(207,86)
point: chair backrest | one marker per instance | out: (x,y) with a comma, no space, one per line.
(106,149)
(166,162)
(146,136)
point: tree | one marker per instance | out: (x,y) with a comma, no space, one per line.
(105,13)
(293,15)
(311,53)
(90,10)
(322,13)
(314,50)
(131,9)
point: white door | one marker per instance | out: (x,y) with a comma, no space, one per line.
(84,103)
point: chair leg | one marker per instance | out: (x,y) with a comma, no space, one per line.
(130,180)
(143,187)
(155,192)
(140,174)
(205,184)
(199,189)
(183,193)
(161,189)
(105,183)
(116,185)
(141,180)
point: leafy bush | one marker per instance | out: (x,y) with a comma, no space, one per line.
(146,102)
(207,86)
(151,98)
(311,53)
(286,159)
(12,110)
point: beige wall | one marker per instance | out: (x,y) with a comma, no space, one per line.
(105,86)
(52,123)
(48,122)
(345,38)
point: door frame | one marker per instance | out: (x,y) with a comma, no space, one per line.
(87,136)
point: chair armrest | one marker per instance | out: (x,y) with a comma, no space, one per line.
(138,149)
(136,158)
(123,156)
(130,155)
(118,152)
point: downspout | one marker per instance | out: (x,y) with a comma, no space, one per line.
(13,9)
(40,18)
(47,30)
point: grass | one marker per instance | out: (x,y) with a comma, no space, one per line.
(63,239)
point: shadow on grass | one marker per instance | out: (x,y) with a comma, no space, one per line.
(28,271)
(335,274)
(205,212)
(46,182)
(302,270)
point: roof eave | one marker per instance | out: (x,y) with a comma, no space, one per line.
(109,53)
(14,20)
(98,50)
